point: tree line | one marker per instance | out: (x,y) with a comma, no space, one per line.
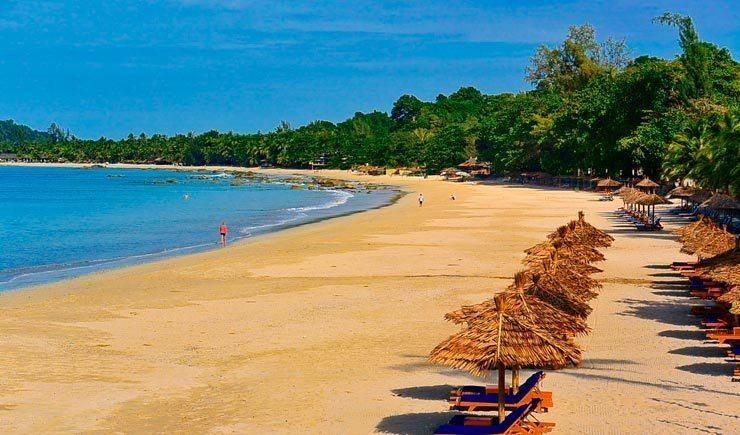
(593,109)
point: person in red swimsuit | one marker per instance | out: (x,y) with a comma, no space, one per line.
(223,229)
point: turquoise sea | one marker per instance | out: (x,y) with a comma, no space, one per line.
(57,223)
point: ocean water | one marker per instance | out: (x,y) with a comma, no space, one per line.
(57,223)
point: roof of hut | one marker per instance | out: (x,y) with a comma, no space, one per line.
(647,182)
(705,238)
(682,192)
(473,163)
(509,340)
(548,317)
(608,182)
(651,199)
(552,292)
(699,196)
(720,201)
(730,296)
(724,267)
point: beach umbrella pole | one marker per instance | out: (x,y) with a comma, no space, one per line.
(501,393)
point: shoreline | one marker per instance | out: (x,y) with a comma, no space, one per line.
(135,260)
(339,317)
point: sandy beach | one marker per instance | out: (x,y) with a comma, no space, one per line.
(325,328)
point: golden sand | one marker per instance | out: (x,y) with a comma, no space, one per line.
(325,328)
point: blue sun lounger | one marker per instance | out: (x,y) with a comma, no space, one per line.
(513,423)
(474,398)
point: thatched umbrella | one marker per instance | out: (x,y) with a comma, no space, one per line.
(724,267)
(699,196)
(583,232)
(720,201)
(508,340)
(681,192)
(651,200)
(647,185)
(723,203)
(573,277)
(570,251)
(607,184)
(545,315)
(705,239)
(548,289)
(730,296)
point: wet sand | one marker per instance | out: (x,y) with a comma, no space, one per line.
(325,328)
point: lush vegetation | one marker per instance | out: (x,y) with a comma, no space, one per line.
(593,110)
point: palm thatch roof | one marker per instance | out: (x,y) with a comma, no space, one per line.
(699,196)
(567,250)
(582,232)
(603,239)
(681,192)
(633,196)
(705,238)
(572,277)
(720,201)
(473,163)
(651,199)
(731,296)
(647,182)
(548,289)
(724,267)
(608,182)
(623,190)
(540,312)
(507,340)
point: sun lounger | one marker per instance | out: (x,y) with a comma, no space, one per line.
(714,322)
(514,423)
(528,391)
(725,335)
(536,377)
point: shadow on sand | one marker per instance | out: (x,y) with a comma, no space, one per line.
(426,392)
(413,424)
(713,351)
(712,369)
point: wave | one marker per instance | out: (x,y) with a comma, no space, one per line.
(342,198)
(339,198)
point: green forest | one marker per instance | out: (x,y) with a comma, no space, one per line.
(594,108)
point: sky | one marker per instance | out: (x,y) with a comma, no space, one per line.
(114,67)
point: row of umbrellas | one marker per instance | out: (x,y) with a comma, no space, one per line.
(718,251)
(705,198)
(719,255)
(636,198)
(532,323)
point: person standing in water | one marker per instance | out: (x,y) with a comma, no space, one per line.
(223,229)
(421,199)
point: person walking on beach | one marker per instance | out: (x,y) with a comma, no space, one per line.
(223,229)
(421,199)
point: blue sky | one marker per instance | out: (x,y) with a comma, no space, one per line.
(173,66)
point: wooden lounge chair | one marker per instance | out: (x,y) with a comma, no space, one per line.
(514,423)
(528,391)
